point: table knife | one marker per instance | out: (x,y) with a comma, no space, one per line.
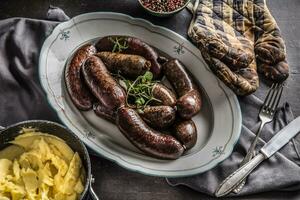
(276,143)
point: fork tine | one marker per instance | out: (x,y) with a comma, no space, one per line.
(277,98)
(269,96)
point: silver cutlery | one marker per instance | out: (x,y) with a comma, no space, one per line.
(266,115)
(276,143)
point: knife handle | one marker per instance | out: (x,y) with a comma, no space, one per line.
(238,176)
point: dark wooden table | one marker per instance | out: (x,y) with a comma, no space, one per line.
(116,183)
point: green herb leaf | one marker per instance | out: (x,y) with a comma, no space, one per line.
(128,83)
(139,91)
(119,44)
(148,76)
(140,101)
(123,84)
(140,111)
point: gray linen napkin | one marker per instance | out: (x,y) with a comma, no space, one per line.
(280,172)
(21,39)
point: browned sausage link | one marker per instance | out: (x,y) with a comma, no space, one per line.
(178,77)
(158,116)
(80,95)
(189,102)
(145,138)
(186,133)
(164,94)
(134,46)
(103,112)
(102,84)
(128,65)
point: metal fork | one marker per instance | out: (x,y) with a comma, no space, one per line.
(266,115)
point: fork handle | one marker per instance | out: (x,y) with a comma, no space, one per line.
(251,150)
(249,156)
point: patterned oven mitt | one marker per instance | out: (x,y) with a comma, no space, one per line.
(234,37)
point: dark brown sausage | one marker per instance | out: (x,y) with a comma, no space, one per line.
(80,95)
(186,133)
(189,102)
(164,94)
(130,66)
(178,77)
(134,46)
(159,116)
(103,112)
(102,84)
(146,139)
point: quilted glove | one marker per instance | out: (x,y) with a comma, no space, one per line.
(237,37)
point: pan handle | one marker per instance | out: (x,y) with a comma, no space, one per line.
(93,195)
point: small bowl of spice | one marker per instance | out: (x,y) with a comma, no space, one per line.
(163,8)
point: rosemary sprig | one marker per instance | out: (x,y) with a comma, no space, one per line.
(118,45)
(139,92)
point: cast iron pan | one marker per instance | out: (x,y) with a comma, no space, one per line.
(9,133)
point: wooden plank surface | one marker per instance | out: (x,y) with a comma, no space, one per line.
(116,183)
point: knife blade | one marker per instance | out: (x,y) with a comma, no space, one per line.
(276,143)
(281,138)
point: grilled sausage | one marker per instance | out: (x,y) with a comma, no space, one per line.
(189,102)
(178,77)
(158,116)
(103,112)
(145,138)
(102,84)
(132,46)
(128,65)
(79,93)
(186,133)
(164,94)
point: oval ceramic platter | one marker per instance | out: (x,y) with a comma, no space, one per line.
(218,123)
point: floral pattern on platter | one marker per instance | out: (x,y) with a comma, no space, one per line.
(179,49)
(217,151)
(65,35)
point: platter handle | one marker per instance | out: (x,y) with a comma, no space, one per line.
(93,195)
